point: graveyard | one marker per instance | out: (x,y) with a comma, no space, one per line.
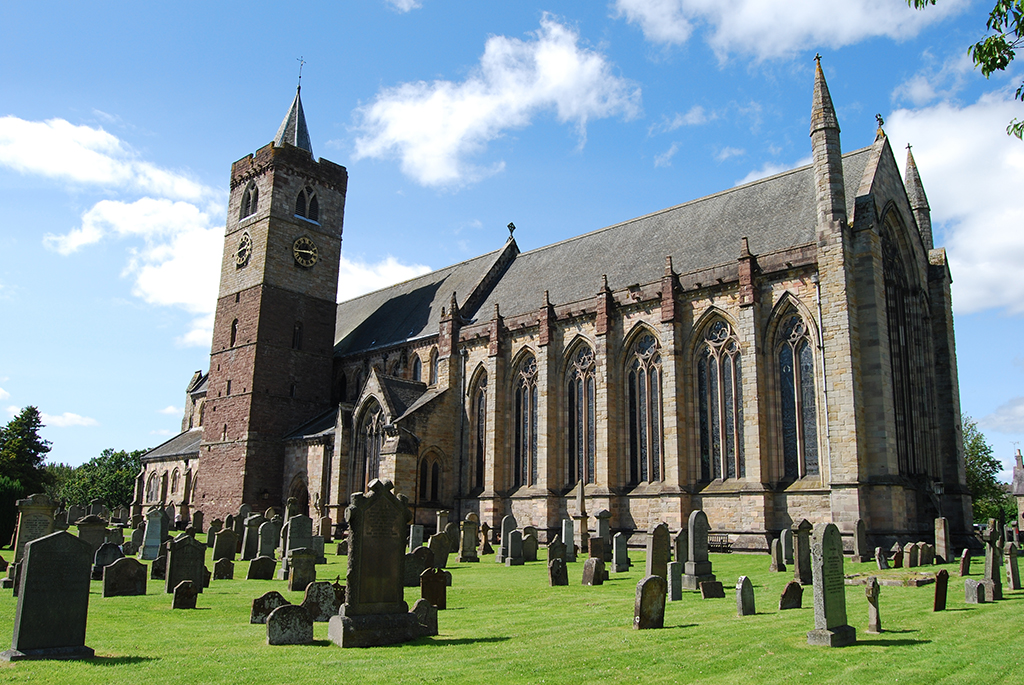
(507,624)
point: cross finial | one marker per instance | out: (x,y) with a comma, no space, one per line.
(302,63)
(909,146)
(817,57)
(511,229)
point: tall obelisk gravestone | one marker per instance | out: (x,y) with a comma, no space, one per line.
(830,628)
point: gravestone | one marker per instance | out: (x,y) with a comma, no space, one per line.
(60,521)
(211,535)
(442,519)
(416,562)
(993,564)
(300,534)
(426,616)
(35,520)
(792,596)
(830,627)
(289,625)
(711,589)
(98,508)
(106,555)
(787,545)
(185,561)
(224,570)
(76,512)
(965,562)
(861,551)
(434,587)
(115,535)
(745,596)
(568,537)
(317,545)
(439,545)
(320,601)
(910,555)
(778,560)
(698,568)
(53,599)
(185,594)
(451,529)
(595,548)
(943,545)
(556,549)
(238,524)
(415,536)
(604,531)
(941,585)
(485,539)
(657,551)
(593,571)
(197,522)
(139,537)
(897,556)
(649,608)
(802,553)
(267,540)
(158,569)
(1012,570)
(620,554)
(129,549)
(508,524)
(675,580)
(226,545)
(681,546)
(302,568)
(881,560)
(558,574)
(264,604)
(530,546)
(261,568)
(207,576)
(125,577)
(871,589)
(514,550)
(251,537)
(925,554)
(974,591)
(324,528)
(92,530)
(375,612)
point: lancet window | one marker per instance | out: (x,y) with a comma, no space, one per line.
(798,407)
(524,468)
(478,409)
(644,399)
(250,198)
(720,403)
(306,205)
(371,439)
(582,412)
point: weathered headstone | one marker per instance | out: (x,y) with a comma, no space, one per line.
(778,559)
(649,608)
(251,537)
(224,570)
(925,554)
(485,539)
(993,564)
(139,537)
(239,521)
(207,575)
(451,529)
(415,536)
(681,546)
(439,544)
(1012,570)
(76,512)
(675,580)
(558,574)
(93,530)
(302,568)
(158,569)
(657,551)
(324,528)
(881,560)
(745,596)
(124,577)
(320,601)
(861,551)
(943,546)
(197,522)
(185,594)
(941,585)
(300,533)
(974,591)
(897,556)
(508,524)
(442,519)
(53,600)
(604,531)
(35,520)
(107,554)
(568,537)
(802,553)
(267,540)
(264,604)
(787,544)
(316,543)
(289,625)
(530,546)
(871,592)
(416,562)
(426,616)
(711,589)
(514,549)
(910,555)
(261,568)
(792,596)
(185,561)
(698,568)
(595,548)
(965,562)
(226,545)
(620,554)
(115,535)
(593,571)
(434,587)
(830,627)
(211,535)
(556,549)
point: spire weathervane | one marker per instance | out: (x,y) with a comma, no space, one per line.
(511,229)
(880,120)
(301,62)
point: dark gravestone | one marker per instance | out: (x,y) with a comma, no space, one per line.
(320,601)
(593,571)
(185,561)
(440,545)
(207,576)
(426,616)
(197,521)
(802,553)
(941,588)
(974,591)
(657,551)
(649,608)
(375,612)
(158,569)
(681,546)
(264,604)
(416,562)
(106,555)
(556,549)
(302,568)
(224,570)
(530,546)
(485,539)
(185,594)
(860,542)
(1012,570)
(712,589)
(211,535)
(567,538)
(965,563)
(881,560)
(251,537)
(93,530)
(830,627)
(871,592)
(792,597)
(434,587)
(514,550)
(267,540)
(53,600)
(415,536)
(595,548)
(675,580)
(778,560)
(620,553)
(558,574)
(451,529)
(124,577)
(698,568)
(745,596)
(261,568)
(897,557)
(993,564)
(225,547)
(289,625)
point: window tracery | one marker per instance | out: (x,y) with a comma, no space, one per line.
(644,390)
(525,416)
(306,205)
(582,413)
(371,439)
(250,200)
(478,411)
(798,408)
(720,403)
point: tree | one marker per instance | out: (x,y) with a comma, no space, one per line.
(22,451)
(991,499)
(109,477)
(995,51)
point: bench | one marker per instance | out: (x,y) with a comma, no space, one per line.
(719,543)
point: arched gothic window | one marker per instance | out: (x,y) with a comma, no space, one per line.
(234,332)
(433,366)
(430,480)
(152,488)
(478,413)
(720,403)
(417,368)
(370,441)
(174,481)
(644,389)
(582,413)
(306,205)
(524,465)
(297,336)
(901,346)
(249,200)
(798,411)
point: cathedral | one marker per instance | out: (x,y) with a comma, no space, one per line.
(779,351)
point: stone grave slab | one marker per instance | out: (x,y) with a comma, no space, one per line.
(802,553)
(974,591)
(107,554)
(35,520)
(965,562)
(416,562)
(830,626)
(440,546)
(620,553)
(158,569)
(697,569)
(657,551)
(530,546)
(185,561)
(426,616)
(778,560)
(224,570)
(558,574)
(593,571)
(745,597)
(289,625)
(649,607)
(185,594)
(434,587)
(514,550)
(302,568)
(941,590)
(792,596)
(712,589)
(871,591)
(320,601)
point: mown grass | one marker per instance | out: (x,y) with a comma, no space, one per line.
(506,625)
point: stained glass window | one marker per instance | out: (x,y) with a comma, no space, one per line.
(798,410)
(525,446)
(582,422)
(720,403)
(644,398)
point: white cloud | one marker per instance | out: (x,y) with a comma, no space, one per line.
(404,6)
(434,128)
(770,169)
(12,410)
(1007,418)
(936,80)
(67,419)
(727,152)
(768,29)
(970,169)
(695,116)
(4,394)
(162,432)
(356,278)
(170,409)
(665,158)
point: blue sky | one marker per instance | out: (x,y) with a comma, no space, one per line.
(119,124)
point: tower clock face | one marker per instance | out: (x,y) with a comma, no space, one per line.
(305,252)
(244,250)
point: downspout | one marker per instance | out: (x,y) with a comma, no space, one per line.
(824,380)
(463,353)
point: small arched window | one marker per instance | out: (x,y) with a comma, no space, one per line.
(250,200)
(431,474)
(174,481)
(417,368)
(582,411)
(152,488)
(796,389)
(306,205)
(371,439)
(433,366)
(524,469)
(644,405)
(720,403)
(478,413)
(234,332)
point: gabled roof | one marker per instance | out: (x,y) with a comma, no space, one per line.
(319,426)
(293,129)
(402,393)
(181,445)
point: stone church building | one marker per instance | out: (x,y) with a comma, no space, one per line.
(778,351)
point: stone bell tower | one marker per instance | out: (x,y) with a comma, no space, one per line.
(273,335)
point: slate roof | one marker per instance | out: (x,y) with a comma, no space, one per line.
(293,128)
(402,393)
(181,445)
(321,425)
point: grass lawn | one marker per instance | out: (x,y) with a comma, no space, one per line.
(506,625)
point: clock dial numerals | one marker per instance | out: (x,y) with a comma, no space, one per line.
(305,252)
(244,250)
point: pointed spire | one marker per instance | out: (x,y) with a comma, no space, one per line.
(828,157)
(823,114)
(293,129)
(915,189)
(668,265)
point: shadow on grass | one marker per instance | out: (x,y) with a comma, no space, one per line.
(681,625)
(464,640)
(893,643)
(118,660)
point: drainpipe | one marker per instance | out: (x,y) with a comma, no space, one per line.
(824,380)
(463,353)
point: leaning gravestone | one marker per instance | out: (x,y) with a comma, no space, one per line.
(320,601)
(508,524)
(744,597)
(139,537)
(943,547)
(941,585)
(881,560)
(568,535)
(649,608)
(698,567)
(185,594)
(792,596)
(897,556)
(35,520)
(657,551)
(375,612)
(1012,570)
(514,550)
(226,545)
(860,542)
(911,556)
(224,570)
(485,539)
(434,587)
(302,569)
(416,562)
(289,625)
(871,592)
(620,554)
(261,568)
(53,600)
(593,571)
(125,577)
(675,580)
(965,562)
(264,604)
(778,560)
(185,561)
(802,553)
(830,627)
(558,574)
(426,616)
(974,591)
(106,555)
(440,546)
